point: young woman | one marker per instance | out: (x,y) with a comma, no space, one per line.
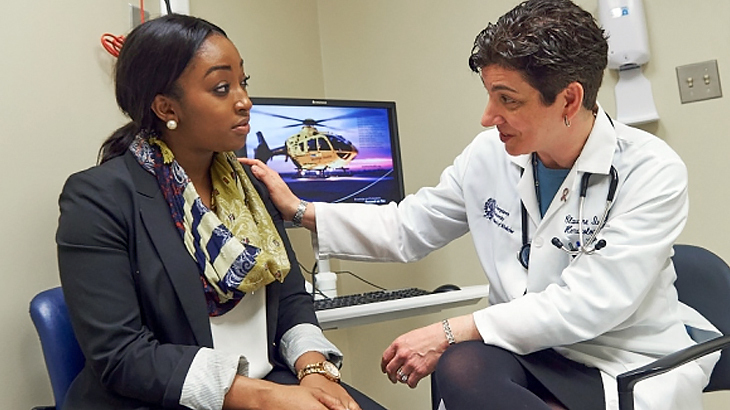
(181,283)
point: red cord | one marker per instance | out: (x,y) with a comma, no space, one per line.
(112,43)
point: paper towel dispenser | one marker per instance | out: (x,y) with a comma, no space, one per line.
(624,21)
(628,50)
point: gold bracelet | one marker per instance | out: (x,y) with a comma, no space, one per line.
(447,330)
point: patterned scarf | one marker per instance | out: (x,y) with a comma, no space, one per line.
(237,247)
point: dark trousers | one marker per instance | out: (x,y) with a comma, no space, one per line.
(473,375)
(285,376)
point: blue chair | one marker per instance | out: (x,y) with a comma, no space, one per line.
(703,282)
(61,351)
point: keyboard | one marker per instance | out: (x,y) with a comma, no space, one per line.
(368,297)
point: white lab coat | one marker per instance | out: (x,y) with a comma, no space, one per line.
(615,310)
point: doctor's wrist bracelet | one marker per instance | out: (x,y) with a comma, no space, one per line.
(299,214)
(447,331)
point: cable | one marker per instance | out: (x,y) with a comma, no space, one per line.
(314,279)
(112,43)
(363,280)
(304,269)
(315,290)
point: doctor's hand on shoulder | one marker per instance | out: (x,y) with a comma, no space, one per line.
(413,355)
(283,198)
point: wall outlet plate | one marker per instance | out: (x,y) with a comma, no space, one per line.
(135,19)
(699,81)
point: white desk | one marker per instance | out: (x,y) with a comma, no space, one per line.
(400,308)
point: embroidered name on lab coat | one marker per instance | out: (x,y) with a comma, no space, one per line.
(589,226)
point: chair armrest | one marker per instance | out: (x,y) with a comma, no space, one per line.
(627,380)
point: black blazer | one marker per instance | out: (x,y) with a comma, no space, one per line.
(134,293)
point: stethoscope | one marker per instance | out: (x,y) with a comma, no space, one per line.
(586,247)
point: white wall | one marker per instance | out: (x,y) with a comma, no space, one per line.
(57,106)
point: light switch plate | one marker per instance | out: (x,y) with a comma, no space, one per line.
(699,81)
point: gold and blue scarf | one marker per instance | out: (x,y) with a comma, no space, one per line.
(237,247)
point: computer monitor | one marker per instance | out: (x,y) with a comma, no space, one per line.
(329,150)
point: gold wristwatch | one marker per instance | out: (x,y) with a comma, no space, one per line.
(327,369)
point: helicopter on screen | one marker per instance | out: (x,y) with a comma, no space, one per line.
(313,153)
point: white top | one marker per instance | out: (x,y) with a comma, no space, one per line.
(242,331)
(615,310)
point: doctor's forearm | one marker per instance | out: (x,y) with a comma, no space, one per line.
(309,219)
(464,329)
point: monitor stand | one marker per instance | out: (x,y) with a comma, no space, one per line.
(324,280)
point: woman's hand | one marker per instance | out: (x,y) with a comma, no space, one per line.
(413,356)
(246,393)
(284,199)
(318,381)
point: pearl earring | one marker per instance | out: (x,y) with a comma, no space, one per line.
(171,125)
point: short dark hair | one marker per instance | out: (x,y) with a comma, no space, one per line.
(151,60)
(551,42)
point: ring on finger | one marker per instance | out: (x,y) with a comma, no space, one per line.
(400,373)
(404,378)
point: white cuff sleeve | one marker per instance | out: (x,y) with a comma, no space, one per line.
(304,338)
(209,378)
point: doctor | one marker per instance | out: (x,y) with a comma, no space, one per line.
(574,300)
